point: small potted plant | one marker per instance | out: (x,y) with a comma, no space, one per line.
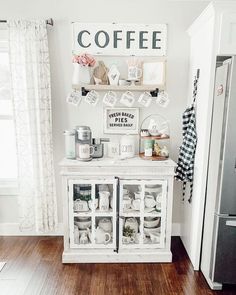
(82,63)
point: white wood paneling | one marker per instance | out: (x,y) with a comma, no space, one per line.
(213,33)
(227,40)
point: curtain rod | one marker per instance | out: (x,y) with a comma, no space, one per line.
(48,21)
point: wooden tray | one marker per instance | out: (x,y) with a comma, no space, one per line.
(155,137)
(153,158)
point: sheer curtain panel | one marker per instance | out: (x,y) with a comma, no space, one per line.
(30,70)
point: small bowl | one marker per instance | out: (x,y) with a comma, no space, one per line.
(151,223)
(83,224)
(149,218)
(83,218)
(123,82)
(148,231)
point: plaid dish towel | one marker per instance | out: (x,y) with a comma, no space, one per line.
(185,167)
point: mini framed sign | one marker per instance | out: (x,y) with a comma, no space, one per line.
(121,120)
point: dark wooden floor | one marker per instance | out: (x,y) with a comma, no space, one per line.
(34,267)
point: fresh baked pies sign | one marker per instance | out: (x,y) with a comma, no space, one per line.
(120,39)
(121,120)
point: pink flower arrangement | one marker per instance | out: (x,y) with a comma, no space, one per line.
(84,60)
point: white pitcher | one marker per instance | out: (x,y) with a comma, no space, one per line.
(101,236)
(81,74)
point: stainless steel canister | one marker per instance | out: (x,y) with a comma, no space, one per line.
(83,135)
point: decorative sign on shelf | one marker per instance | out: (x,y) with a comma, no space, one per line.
(121,120)
(120,39)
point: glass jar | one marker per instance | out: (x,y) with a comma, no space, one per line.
(69,144)
(85,193)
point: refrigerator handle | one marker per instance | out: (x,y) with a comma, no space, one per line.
(231,223)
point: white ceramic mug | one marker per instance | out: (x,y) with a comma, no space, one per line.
(110,98)
(92,203)
(85,151)
(145,99)
(127,99)
(126,204)
(137,195)
(136,204)
(149,201)
(134,73)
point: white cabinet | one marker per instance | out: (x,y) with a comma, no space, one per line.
(117,211)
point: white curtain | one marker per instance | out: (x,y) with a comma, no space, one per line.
(29,61)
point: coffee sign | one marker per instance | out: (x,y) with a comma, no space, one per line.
(119,39)
(121,120)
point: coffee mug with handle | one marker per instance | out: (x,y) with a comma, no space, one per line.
(134,73)
(85,151)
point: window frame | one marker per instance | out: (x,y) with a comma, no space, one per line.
(8,187)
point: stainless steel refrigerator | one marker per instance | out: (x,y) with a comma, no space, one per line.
(218,260)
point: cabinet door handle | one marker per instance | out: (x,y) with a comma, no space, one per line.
(231,223)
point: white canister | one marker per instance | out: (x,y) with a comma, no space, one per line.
(113,149)
(70,144)
(127,146)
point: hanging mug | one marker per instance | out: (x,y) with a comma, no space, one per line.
(127,99)
(110,98)
(145,99)
(92,97)
(163,99)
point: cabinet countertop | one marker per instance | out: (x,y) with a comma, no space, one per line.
(108,162)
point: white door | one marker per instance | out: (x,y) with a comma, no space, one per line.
(142,214)
(202,58)
(92,213)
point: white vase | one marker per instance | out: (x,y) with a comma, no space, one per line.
(81,74)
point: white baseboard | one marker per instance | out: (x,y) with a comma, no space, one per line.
(12,229)
(175,229)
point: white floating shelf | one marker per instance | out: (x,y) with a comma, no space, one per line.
(119,88)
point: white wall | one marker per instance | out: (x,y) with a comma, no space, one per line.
(177,14)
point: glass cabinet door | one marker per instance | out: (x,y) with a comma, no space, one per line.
(142,213)
(92,213)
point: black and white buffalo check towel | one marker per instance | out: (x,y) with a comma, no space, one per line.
(185,166)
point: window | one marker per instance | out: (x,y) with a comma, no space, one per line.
(8,160)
